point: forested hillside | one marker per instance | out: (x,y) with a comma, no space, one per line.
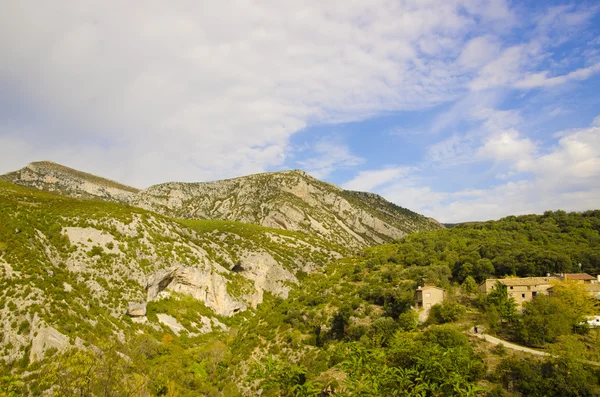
(529,245)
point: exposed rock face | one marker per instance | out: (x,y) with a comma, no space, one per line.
(56,178)
(216,291)
(136,309)
(86,257)
(87,262)
(170,322)
(46,338)
(203,284)
(290,200)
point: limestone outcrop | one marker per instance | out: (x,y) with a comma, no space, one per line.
(290,200)
(56,178)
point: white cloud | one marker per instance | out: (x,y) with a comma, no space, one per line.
(368,180)
(453,150)
(508,146)
(596,122)
(566,177)
(541,79)
(210,90)
(503,70)
(479,51)
(331,155)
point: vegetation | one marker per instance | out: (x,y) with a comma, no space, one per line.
(348,328)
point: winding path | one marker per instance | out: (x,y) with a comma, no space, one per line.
(497,341)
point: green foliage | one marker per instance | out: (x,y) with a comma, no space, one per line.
(549,378)
(549,316)
(381,332)
(277,378)
(500,302)
(11,386)
(469,286)
(409,320)
(529,245)
(446,312)
(440,362)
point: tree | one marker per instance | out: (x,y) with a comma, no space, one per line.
(499,300)
(283,379)
(544,319)
(561,313)
(340,322)
(469,286)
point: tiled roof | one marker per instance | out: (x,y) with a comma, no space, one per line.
(578,276)
(525,280)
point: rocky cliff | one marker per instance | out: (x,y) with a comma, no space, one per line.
(71,269)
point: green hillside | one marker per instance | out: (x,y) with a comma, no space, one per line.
(343,327)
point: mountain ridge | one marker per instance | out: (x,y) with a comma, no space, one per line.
(289,200)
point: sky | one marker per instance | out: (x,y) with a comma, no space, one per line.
(459,110)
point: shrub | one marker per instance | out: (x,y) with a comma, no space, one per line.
(446,312)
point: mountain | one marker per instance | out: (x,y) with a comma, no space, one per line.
(71,269)
(105,298)
(289,200)
(56,178)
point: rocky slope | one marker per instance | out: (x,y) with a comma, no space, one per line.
(56,178)
(71,269)
(289,200)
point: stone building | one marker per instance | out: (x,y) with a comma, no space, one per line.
(426,297)
(521,289)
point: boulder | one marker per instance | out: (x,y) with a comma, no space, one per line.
(136,309)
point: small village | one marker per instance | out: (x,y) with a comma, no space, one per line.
(521,289)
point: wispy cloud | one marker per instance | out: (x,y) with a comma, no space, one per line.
(218,89)
(541,79)
(567,177)
(368,180)
(330,155)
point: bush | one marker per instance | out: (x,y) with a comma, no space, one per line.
(408,321)
(446,312)
(382,331)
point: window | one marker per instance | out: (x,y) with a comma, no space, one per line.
(522,295)
(427,295)
(511,287)
(534,293)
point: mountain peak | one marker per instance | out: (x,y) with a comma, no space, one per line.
(53,177)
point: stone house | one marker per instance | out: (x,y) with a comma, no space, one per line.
(521,289)
(426,297)
(583,278)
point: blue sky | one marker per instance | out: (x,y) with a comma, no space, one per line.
(458,109)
